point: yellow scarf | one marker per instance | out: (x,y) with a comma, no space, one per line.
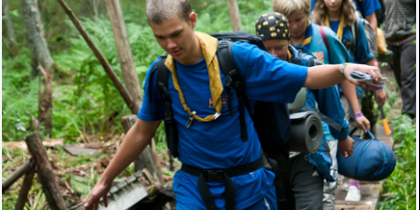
(208,47)
(289,56)
(340,26)
(307,40)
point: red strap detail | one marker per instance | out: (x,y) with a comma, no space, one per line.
(324,38)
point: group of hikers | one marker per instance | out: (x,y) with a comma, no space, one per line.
(216,142)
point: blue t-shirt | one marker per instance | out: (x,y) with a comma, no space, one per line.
(218,144)
(368,6)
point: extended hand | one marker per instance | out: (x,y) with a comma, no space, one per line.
(371,70)
(100,190)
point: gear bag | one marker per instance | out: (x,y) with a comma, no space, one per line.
(372,160)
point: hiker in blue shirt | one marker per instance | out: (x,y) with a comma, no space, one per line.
(304,189)
(209,135)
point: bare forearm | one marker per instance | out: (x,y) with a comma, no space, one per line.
(134,143)
(349,91)
(323,76)
(373,22)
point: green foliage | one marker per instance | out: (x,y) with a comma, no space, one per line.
(402,182)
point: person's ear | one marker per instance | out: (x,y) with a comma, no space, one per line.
(193,19)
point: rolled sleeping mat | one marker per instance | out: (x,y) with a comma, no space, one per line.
(372,160)
(306,132)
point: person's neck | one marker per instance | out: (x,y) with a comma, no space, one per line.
(334,16)
(195,55)
(296,41)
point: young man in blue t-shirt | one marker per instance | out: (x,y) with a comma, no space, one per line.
(209,136)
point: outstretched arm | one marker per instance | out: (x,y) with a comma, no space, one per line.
(324,76)
(134,143)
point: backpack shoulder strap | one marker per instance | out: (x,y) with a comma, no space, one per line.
(170,124)
(335,125)
(235,80)
(324,38)
(355,31)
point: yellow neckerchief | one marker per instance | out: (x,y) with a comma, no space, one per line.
(208,47)
(340,25)
(289,56)
(309,38)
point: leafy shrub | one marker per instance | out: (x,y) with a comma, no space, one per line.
(401,185)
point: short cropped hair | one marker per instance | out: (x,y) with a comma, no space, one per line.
(287,7)
(158,11)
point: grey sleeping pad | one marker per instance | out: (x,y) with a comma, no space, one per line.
(299,101)
(306,132)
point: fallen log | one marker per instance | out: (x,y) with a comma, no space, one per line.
(45,172)
(16,175)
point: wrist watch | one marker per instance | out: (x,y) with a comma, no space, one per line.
(342,68)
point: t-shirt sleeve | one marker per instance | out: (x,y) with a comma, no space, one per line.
(362,54)
(152,108)
(370,6)
(267,78)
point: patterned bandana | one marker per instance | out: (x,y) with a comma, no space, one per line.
(273,25)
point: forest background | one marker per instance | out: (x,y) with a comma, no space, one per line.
(87,106)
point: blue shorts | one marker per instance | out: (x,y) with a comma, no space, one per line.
(268,202)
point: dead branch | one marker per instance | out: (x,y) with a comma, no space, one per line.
(111,74)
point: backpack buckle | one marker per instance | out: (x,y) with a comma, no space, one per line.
(213,175)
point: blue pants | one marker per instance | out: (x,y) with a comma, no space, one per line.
(268,202)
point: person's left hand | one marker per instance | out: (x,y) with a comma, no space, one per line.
(346,147)
(363,123)
(380,97)
(371,70)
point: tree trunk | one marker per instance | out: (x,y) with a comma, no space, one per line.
(124,51)
(45,172)
(234,15)
(41,61)
(10,32)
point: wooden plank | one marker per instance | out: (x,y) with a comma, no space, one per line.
(22,144)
